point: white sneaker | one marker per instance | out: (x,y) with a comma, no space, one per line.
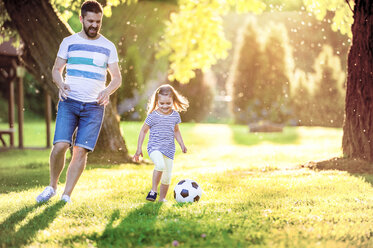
(66,198)
(47,193)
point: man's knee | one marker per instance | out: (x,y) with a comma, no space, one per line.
(80,152)
(60,148)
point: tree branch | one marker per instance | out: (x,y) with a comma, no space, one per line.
(348,2)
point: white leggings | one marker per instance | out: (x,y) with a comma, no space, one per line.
(164,164)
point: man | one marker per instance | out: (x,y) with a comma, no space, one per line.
(87,56)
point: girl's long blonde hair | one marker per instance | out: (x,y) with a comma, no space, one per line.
(180,102)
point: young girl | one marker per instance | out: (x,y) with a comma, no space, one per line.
(162,120)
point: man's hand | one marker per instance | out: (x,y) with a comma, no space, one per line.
(63,91)
(103,97)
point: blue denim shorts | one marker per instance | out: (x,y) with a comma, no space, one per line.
(85,118)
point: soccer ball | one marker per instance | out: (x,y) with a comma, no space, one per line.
(187,190)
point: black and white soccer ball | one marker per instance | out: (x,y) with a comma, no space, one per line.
(187,190)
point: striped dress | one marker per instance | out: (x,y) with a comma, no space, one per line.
(162,132)
(86,65)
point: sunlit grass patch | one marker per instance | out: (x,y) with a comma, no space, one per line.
(254,195)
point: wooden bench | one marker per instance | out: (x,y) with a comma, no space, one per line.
(9,132)
(265,126)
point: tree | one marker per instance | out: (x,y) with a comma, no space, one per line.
(200,96)
(273,88)
(259,77)
(245,72)
(41,31)
(301,98)
(357,130)
(194,39)
(194,36)
(137,29)
(328,95)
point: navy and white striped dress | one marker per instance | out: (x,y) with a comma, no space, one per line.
(162,132)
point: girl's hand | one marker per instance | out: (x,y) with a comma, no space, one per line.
(137,155)
(184,149)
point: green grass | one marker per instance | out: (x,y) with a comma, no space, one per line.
(34,133)
(254,195)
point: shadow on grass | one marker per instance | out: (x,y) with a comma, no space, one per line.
(9,237)
(136,229)
(25,177)
(242,136)
(140,229)
(355,167)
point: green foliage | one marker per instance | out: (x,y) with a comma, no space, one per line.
(194,37)
(74,22)
(134,78)
(3,110)
(281,5)
(34,97)
(136,30)
(68,8)
(188,37)
(343,14)
(200,96)
(7,30)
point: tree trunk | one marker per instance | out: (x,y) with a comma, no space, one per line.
(358,126)
(109,149)
(42,32)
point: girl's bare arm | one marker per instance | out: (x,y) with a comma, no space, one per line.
(179,139)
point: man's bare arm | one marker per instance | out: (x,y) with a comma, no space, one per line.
(116,80)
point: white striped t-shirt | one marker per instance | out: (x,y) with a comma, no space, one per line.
(86,65)
(162,132)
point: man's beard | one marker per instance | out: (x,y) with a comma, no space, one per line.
(90,35)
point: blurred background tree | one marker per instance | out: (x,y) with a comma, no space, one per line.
(200,96)
(139,32)
(272,91)
(194,37)
(301,98)
(259,80)
(329,94)
(245,73)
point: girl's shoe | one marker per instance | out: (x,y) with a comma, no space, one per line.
(151,196)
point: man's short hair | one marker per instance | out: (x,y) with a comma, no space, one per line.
(90,6)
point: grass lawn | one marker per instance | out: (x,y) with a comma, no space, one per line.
(255,195)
